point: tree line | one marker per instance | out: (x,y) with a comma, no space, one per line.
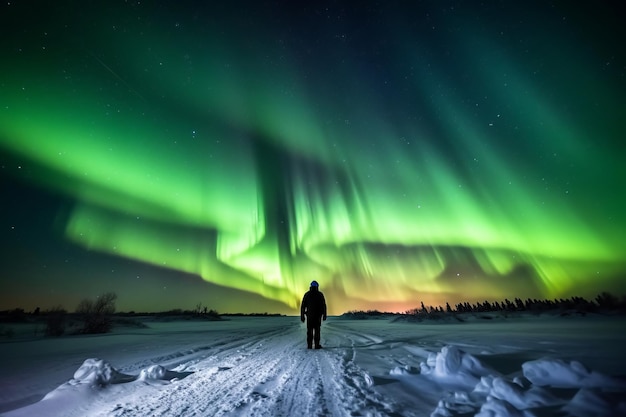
(604,302)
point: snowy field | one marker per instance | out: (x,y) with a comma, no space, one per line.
(248,366)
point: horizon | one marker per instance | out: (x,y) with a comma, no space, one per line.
(620,298)
(429,152)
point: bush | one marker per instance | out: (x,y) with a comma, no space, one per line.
(55,321)
(96,315)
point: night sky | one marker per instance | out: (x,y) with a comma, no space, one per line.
(192,152)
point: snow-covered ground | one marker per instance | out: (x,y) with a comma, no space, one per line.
(249,366)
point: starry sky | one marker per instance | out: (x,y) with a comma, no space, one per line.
(229,153)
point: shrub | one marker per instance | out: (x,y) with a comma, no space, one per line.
(96,315)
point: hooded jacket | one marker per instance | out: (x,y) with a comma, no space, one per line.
(313,304)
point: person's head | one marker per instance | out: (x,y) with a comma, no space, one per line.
(315,286)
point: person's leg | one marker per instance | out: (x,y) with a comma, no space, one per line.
(318,325)
(309,334)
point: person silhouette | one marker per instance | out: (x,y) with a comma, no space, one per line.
(314,308)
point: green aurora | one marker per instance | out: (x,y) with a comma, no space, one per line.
(438,158)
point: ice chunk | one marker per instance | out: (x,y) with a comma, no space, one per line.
(520,398)
(403,370)
(521,382)
(448,361)
(494,407)
(485,385)
(369,381)
(455,366)
(441,410)
(560,374)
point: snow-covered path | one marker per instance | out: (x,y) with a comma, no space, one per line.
(261,367)
(260,370)
(269,373)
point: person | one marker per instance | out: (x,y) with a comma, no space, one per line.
(314,307)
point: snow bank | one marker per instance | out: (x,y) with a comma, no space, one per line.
(471,387)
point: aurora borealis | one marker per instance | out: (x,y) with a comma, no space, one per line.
(182,152)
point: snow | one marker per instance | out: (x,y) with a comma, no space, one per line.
(248,366)
(560,374)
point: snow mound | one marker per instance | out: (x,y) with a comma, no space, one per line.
(559,374)
(90,380)
(515,394)
(98,372)
(152,373)
(469,387)
(454,366)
